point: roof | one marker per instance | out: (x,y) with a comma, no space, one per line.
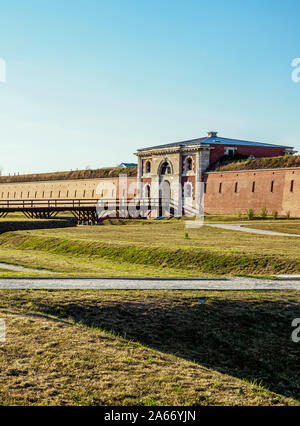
(217,140)
(127,165)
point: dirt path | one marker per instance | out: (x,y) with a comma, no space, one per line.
(234,283)
(243,228)
(16,268)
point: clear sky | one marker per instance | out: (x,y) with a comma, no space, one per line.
(90,81)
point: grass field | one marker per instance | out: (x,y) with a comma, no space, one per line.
(145,249)
(149,348)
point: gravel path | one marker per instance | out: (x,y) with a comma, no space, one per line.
(236,283)
(243,228)
(17,268)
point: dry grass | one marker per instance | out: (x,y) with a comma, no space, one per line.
(148,348)
(69,175)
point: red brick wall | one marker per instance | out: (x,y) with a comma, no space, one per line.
(231,202)
(258,152)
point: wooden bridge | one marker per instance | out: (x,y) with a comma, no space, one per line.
(89,211)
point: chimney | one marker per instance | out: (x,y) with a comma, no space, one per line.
(212,134)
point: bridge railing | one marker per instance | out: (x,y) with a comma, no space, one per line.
(80,202)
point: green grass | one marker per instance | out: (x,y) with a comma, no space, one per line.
(149,348)
(155,249)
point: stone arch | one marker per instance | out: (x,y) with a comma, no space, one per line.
(188,164)
(165,168)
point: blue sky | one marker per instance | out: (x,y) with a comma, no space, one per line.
(89,82)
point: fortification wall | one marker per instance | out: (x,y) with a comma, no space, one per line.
(66,189)
(227,192)
(234,192)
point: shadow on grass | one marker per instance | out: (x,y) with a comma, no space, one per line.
(7,226)
(246,339)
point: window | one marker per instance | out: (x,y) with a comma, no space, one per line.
(188,190)
(21,195)
(148,167)
(147,191)
(230,151)
(28,194)
(58,194)
(83,193)
(67,193)
(292,186)
(75,193)
(166,168)
(272,186)
(93,193)
(8,195)
(253,186)
(189,164)
(14,195)
(236,187)
(50,194)
(43,194)
(205,187)
(220,188)
(35,194)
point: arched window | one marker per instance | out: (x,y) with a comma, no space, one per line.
(147,191)
(188,190)
(189,164)
(166,168)
(148,167)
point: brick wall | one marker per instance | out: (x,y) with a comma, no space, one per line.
(233,192)
(218,151)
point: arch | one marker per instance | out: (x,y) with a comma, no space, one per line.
(165,167)
(188,164)
(164,198)
(188,190)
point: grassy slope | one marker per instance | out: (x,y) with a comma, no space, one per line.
(149,348)
(72,174)
(262,163)
(149,249)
